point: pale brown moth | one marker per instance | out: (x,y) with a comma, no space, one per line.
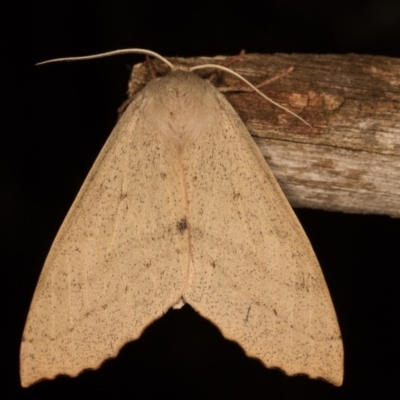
(181,207)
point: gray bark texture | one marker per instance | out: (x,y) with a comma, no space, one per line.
(349,160)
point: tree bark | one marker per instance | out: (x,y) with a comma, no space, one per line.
(350,159)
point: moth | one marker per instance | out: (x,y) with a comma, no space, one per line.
(181,207)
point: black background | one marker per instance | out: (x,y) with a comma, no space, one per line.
(58,117)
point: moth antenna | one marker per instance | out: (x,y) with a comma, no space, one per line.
(111,53)
(197,67)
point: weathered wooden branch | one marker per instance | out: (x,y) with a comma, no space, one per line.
(350,159)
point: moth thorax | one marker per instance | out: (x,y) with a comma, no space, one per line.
(182,118)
